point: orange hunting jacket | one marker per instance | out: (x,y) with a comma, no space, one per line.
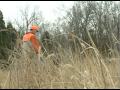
(32,38)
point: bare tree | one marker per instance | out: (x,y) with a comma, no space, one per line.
(29,16)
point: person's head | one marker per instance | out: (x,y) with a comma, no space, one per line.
(34,29)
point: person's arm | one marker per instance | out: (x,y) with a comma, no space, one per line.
(36,45)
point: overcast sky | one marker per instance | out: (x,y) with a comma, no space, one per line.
(11,9)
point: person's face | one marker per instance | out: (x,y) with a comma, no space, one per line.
(34,31)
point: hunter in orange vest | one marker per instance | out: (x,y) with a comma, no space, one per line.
(30,42)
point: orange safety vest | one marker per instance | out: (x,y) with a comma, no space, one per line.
(32,38)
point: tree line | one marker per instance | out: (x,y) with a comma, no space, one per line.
(95,22)
(8,37)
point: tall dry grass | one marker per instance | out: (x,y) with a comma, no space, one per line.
(84,68)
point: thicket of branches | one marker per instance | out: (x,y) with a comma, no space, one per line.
(96,19)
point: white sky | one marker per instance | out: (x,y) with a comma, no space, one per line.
(11,9)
